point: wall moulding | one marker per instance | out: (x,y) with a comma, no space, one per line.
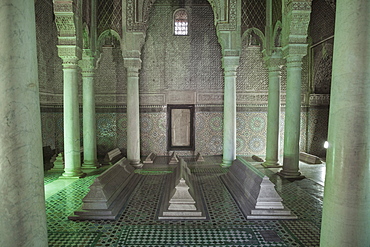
(181,97)
(152,99)
(214,99)
(319,99)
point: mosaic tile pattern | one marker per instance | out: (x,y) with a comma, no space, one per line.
(51,177)
(187,236)
(251,132)
(138,225)
(153,133)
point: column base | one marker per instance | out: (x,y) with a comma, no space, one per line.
(90,165)
(73,175)
(271,164)
(290,175)
(226,163)
(136,164)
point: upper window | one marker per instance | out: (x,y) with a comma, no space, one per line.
(181,22)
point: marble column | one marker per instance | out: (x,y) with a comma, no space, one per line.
(230,64)
(22,200)
(292,118)
(72,156)
(346,211)
(133,120)
(273,112)
(88,111)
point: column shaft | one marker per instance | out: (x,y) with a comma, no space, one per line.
(292,118)
(72,157)
(273,118)
(346,211)
(22,200)
(133,122)
(229,144)
(89,122)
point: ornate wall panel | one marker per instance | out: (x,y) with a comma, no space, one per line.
(187,66)
(111,131)
(48,129)
(181,62)
(47,53)
(153,133)
(110,76)
(323,61)
(317,130)
(252,72)
(322,31)
(208,133)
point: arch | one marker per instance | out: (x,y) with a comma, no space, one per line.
(85,36)
(215,8)
(108,35)
(257,32)
(277,36)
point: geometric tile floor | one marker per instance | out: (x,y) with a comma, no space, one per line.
(138,226)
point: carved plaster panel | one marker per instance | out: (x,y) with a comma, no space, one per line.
(210,98)
(295,21)
(319,99)
(152,99)
(181,97)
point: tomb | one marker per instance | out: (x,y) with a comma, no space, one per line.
(254,193)
(109,193)
(173,159)
(182,198)
(113,156)
(58,163)
(150,158)
(309,158)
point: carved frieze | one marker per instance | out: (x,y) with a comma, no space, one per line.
(60,7)
(181,97)
(295,21)
(319,99)
(152,99)
(210,98)
(87,63)
(65,25)
(244,98)
(69,52)
(111,99)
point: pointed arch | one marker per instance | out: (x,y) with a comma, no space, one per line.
(108,35)
(258,33)
(85,36)
(277,34)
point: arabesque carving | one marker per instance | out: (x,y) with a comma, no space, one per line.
(296,19)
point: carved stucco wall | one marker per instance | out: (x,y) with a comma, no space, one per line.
(48,64)
(321,34)
(181,62)
(173,66)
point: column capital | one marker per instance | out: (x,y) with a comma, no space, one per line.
(230,62)
(69,62)
(296,18)
(70,54)
(132,64)
(275,61)
(295,50)
(294,60)
(87,63)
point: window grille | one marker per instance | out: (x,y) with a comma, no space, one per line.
(181,22)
